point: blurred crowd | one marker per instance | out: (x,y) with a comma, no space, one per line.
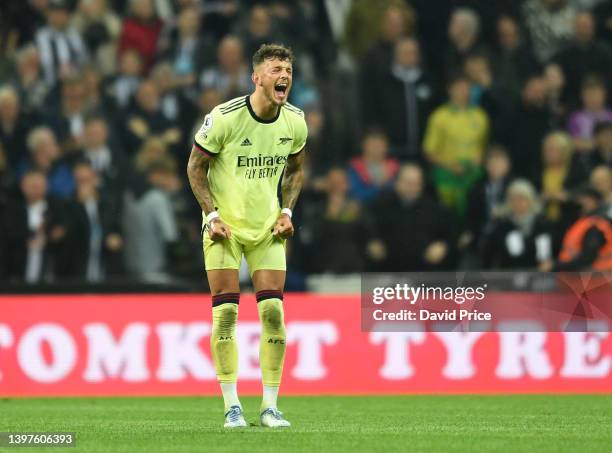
(446,134)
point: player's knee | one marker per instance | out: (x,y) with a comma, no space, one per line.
(221,290)
(271,312)
(228,315)
(225,311)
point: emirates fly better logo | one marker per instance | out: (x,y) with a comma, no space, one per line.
(259,166)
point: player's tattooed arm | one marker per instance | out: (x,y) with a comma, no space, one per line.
(290,190)
(293,179)
(197,171)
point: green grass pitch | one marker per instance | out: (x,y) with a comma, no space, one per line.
(465,423)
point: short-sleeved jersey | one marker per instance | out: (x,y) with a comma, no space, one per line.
(250,155)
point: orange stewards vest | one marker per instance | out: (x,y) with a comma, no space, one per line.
(572,242)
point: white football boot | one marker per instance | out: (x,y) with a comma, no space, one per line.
(273,418)
(234,418)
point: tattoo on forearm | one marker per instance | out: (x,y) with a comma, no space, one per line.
(292,180)
(197,171)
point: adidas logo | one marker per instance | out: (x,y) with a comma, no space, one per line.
(246,142)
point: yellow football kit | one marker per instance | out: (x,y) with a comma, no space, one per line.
(250,155)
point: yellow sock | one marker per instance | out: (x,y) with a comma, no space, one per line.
(272,344)
(223,337)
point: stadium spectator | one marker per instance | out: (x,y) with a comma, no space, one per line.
(123,86)
(550,24)
(46,158)
(463,30)
(428,246)
(68,119)
(220,17)
(557,153)
(258,29)
(601,180)
(554,82)
(373,29)
(100,27)
(207,100)
(144,119)
(323,152)
(34,233)
(373,171)
(107,160)
(232,75)
(514,61)
(95,229)
(185,255)
(14,126)
(97,99)
(587,245)
(394,23)
(531,123)
(60,46)
(403,100)
(288,21)
(172,104)
(486,93)
(29,81)
(189,49)
(454,143)
(149,225)
(486,198)
(151,151)
(140,31)
(584,56)
(338,229)
(583,163)
(521,238)
(582,123)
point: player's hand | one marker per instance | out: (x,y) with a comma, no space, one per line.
(283,227)
(217,230)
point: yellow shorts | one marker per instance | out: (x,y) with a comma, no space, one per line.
(268,253)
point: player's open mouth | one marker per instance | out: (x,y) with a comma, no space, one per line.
(280,89)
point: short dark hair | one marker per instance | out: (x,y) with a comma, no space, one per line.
(94,116)
(592,81)
(82,162)
(270,52)
(374,131)
(458,77)
(497,150)
(33,172)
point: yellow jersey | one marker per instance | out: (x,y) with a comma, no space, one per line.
(250,154)
(455,135)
